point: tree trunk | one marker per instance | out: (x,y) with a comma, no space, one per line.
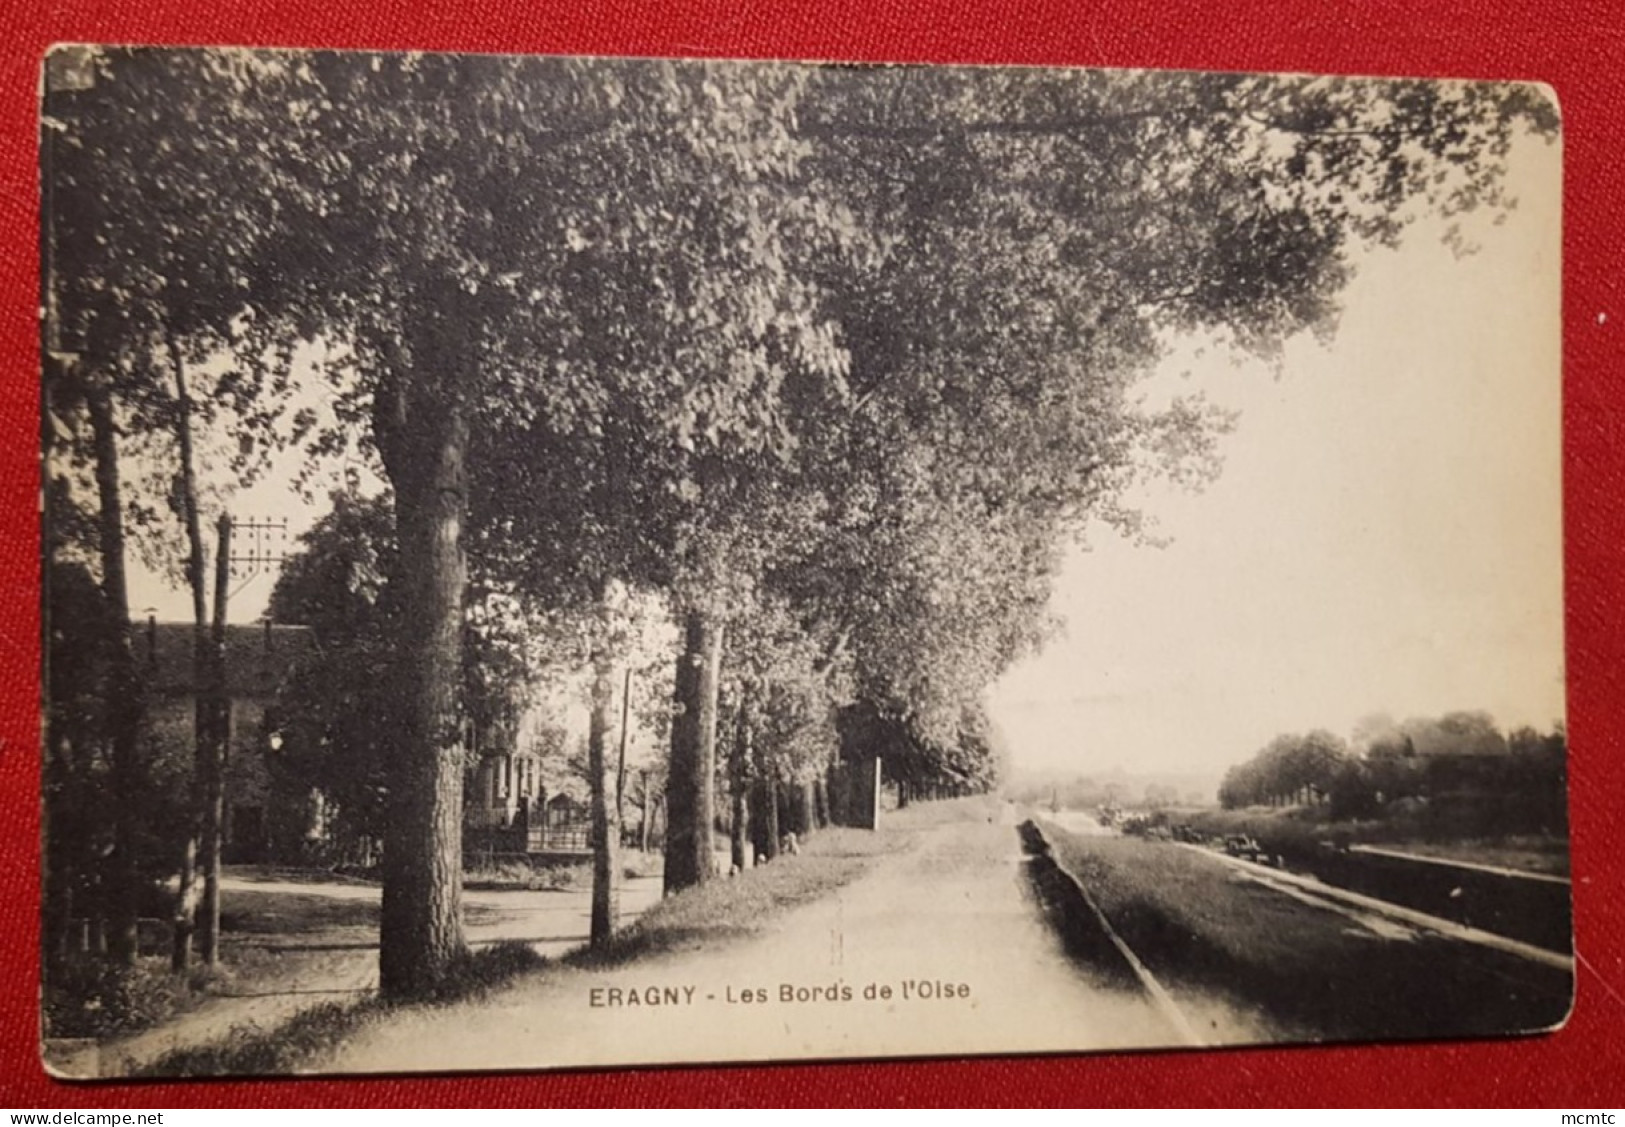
(202,703)
(690,801)
(738,785)
(739,843)
(806,810)
(620,759)
(605,828)
(645,811)
(835,796)
(765,817)
(125,705)
(61,849)
(785,803)
(213,758)
(421,425)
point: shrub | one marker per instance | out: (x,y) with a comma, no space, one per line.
(519,873)
(98,999)
(635,863)
(320,1030)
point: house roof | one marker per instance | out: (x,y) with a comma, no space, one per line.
(258,657)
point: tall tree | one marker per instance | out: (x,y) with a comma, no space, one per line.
(1044,233)
(336,719)
(685,329)
(782,693)
(153,225)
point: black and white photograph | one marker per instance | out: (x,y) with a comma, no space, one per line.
(581,562)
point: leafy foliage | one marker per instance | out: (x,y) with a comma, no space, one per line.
(336,720)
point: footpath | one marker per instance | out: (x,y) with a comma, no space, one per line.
(290,971)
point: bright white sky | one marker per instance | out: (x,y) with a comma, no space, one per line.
(1385,537)
(272,498)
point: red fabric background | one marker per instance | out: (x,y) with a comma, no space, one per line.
(1577,47)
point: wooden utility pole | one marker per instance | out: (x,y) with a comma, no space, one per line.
(265,548)
(620,766)
(219,738)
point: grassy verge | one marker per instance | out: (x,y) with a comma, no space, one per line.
(250,912)
(741,905)
(1198,924)
(288,1048)
(1548,855)
(726,909)
(288,874)
(100,999)
(521,876)
(1302,830)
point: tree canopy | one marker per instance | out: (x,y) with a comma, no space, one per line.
(839,359)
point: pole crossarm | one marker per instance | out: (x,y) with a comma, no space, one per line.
(259,546)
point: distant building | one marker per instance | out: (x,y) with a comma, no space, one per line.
(520,795)
(505,786)
(259,659)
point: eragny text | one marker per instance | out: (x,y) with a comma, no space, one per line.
(783,993)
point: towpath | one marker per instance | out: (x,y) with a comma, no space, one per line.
(938,950)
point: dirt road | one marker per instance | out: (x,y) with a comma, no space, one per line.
(938,950)
(282,968)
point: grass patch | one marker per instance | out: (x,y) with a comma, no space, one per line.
(251,912)
(521,876)
(1192,906)
(1536,912)
(1198,923)
(1300,831)
(310,1035)
(736,906)
(635,863)
(285,874)
(94,998)
(251,1051)
(1292,832)
(1521,853)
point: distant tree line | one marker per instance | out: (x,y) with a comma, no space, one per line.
(1459,767)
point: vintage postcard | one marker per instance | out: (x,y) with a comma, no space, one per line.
(563,562)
